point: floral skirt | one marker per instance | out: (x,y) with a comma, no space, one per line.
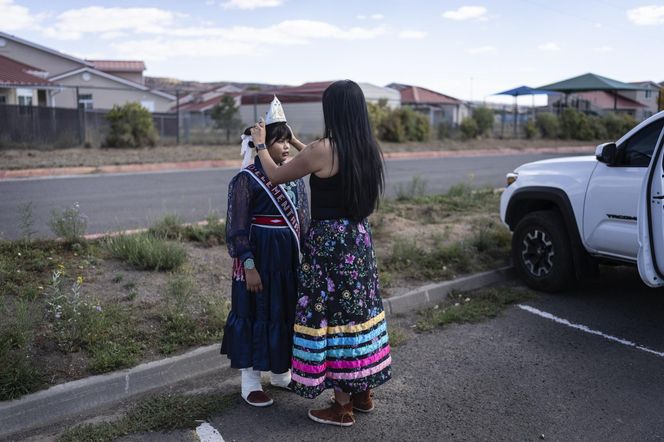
(340,338)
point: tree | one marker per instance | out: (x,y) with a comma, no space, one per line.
(226,115)
(131,126)
(484,118)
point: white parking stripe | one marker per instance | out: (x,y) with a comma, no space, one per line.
(207,433)
(585,329)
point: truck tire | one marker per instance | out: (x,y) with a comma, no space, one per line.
(542,252)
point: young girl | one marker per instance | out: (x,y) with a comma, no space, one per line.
(341,338)
(264,224)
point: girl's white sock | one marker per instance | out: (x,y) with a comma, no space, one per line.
(281,380)
(251,381)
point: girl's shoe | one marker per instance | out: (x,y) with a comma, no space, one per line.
(281,380)
(362,402)
(336,414)
(258,398)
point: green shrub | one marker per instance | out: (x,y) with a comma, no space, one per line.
(576,125)
(398,125)
(469,128)
(416,188)
(69,224)
(530,130)
(131,126)
(168,227)
(484,118)
(548,125)
(146,252)
(617,125)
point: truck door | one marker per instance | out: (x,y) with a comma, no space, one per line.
(651,221)
(612,199)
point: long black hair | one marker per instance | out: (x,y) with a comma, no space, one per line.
(348,129)
(273,132)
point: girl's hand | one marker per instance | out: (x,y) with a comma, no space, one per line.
(258,132)
(254,284)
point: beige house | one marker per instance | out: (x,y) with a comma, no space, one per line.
(31,74)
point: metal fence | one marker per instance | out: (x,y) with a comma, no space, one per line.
(55,127)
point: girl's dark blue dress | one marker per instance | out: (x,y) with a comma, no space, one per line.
(259,328)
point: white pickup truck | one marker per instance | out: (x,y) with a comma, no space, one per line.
(569,214)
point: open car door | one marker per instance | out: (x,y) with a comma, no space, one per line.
(650,220)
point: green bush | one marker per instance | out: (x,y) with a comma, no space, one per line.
(484,118)
(530,130)
(398,125)
(548,125)
(131,126)
(576,125)
(69,224)
(146,252)
(469,128)
(617,125)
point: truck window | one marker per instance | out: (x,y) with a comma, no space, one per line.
(637,150)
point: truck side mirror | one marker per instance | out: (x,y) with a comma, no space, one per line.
(607,153)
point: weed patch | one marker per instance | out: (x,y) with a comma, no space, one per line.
(146,252)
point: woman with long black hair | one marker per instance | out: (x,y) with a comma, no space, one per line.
(341,338)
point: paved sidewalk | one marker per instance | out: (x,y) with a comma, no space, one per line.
(213,164)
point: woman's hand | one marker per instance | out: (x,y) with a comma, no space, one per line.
(254,283)
(258,132)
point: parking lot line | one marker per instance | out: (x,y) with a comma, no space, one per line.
(207,433)
(586,329)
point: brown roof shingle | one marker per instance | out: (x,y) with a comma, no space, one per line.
(16,73)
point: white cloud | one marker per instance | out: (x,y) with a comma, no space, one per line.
(550,47)
(646,15)
(371,17)
(481,50)
(112,35)
(603,49)
(72,24)
(161,49)
(467,13)
(221,42)
(209,2)
(252,4)
(14,17)
(414,35)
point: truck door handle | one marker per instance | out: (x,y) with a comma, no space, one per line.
(658,197)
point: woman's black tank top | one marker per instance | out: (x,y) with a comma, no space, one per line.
(327,198)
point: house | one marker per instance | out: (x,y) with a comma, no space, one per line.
(303,104)
(31,74)
(649,97)
(440,108)
(602,102)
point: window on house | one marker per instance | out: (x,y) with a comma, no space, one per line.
(149,105)
(85,101)
(24,97)
(648,93)
(3,99)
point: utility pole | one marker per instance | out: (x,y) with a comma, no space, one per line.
(177,114)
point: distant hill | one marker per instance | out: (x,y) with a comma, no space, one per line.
(171,84)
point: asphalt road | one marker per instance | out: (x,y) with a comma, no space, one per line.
(128,201)
(518,377)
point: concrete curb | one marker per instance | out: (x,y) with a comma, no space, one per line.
(214,164)
(69,399)
(432,294)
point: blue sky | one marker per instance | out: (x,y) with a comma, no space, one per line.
(468,49)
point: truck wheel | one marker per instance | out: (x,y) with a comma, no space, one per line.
(542,253)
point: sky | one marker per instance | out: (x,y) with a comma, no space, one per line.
(468,49)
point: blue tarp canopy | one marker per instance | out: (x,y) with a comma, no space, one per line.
(524,90)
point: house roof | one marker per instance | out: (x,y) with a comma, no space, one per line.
(419,95)
(118,65)
(202,106)
(113,78)
(20,74)
(606,100)
(311,92)
(648,82)
(590,82)
(43,48)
